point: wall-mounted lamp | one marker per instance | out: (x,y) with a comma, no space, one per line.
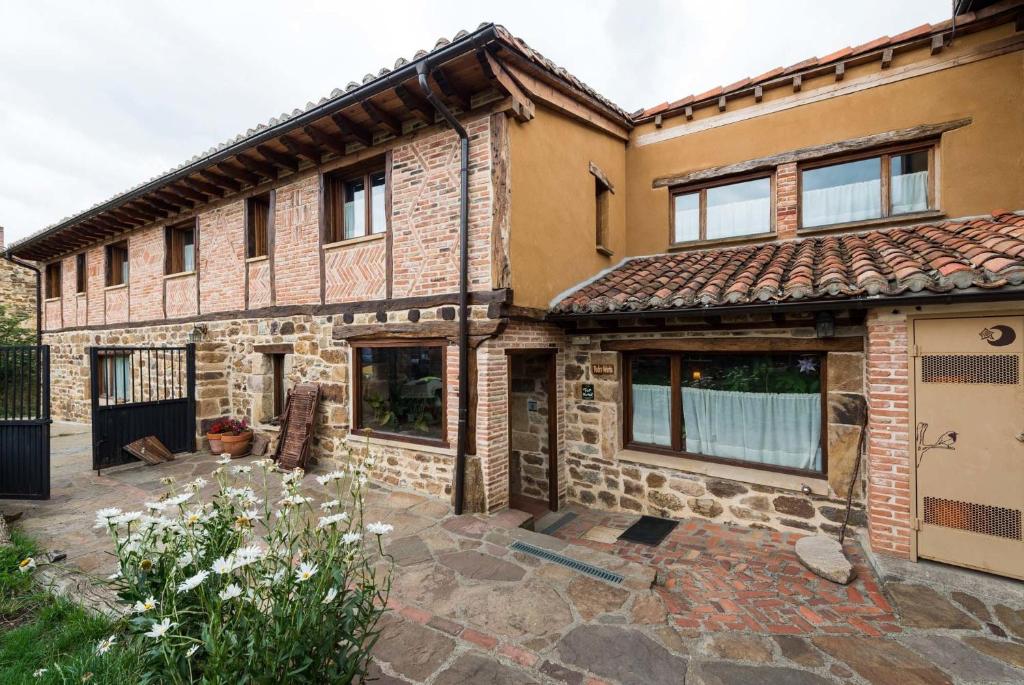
(825,324)
(197,333)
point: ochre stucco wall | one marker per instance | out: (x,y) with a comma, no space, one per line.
(553,208)
(979,165)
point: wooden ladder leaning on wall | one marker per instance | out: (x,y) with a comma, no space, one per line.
(300,407)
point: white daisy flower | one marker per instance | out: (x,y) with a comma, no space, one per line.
(143,607)
(379,528)
(230,592)
(116,575)
(127,517)
(160,629)
(293,476)
(242,469)
(185,559)
(349,538)
(179,499)
(39,672)
(167,480)
(226,459)
(305,572)
(192,650)
(329,597)
(193,582)
(198,484)
(248,555)
(105,644)
(332,519)
(156,506)
(26,564)
(223,566)
(330,504)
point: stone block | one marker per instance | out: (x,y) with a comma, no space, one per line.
(794,506)
(705,506)
(691,488)
(726,488)
(845,372)
(846,408)
(843,443)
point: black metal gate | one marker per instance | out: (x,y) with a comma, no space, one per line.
(141,391)
(25,422)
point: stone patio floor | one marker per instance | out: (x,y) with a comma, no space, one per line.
(711,605)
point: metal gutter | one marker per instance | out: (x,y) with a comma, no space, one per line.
(422,72)
(406,72)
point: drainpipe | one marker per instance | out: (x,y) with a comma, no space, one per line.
(422,71)
(39,292)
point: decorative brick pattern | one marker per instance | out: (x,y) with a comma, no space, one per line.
(889,461)
(222,258)
(180,294)
(296,242)
(145,274)
(260,292)
(116,304)
(69,302)
(787,201)
(95,297)
(53,314)
(355,272)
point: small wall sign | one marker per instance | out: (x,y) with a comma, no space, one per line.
(587,391)
(602,369)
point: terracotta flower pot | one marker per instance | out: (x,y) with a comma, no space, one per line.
(216,446)
(237,445)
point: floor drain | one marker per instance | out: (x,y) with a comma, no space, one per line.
(566,561)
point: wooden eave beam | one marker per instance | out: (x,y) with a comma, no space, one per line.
(132,218)
(325,140)
(111,221)
(280,159)
(351,129)
(174,198)
(522,106)
(268,171)
(156,202)
(224,181)
(382,119)
(205,187)
(187,191)
(299,148)
(147,211)
(451,91)
(236,173)
(415,103)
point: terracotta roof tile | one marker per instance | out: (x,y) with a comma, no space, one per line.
(941,257)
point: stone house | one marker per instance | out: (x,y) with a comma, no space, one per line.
(707,308)
(17,289)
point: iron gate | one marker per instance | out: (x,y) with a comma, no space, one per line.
(141,391)
(25,422)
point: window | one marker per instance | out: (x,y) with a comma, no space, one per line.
(853,191)
(400,390)
(117,263)
(355,204)
(759,409)
(602,199)
(277,368)
(53,280)
(728,210)
(257,226)
(80,273)
(114,377)
(180,249)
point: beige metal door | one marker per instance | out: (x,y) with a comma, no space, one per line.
(969,446)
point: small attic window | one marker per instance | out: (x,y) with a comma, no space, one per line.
(602,200)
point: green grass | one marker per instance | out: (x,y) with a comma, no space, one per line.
(38,630)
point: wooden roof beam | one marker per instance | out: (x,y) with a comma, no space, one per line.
(522,106)
(187,191)
(450,90)
(268,171)
(147,211)
(384,120)
(416,103)
(130,217)
(220,182)
(174,198)
(299,148)
(204,187)
(351,129)
(237,173)
(278,158)
(325,140)
(154,201)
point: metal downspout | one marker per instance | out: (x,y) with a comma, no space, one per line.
(39,292)
(422,71)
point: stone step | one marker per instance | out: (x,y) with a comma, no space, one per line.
(512,518)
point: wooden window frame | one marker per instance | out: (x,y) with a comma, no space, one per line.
(603,190)
(702,207)
(885,155)
(277,386)
(108,264)
(81,273)
(333,183)
(266,200)
(54,280)
(174,261)
(677,449)
(357,390)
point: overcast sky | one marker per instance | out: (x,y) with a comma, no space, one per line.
(96,97)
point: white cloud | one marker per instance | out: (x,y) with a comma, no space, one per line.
(101,96)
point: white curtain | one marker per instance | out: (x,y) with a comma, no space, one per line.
(910,192)
(652,414)
(739,218)
(766,428)
(687,224)
(839,204)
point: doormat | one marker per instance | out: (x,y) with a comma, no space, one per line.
(649,530)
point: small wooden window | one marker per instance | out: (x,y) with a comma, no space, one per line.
(258,225)
(866,188)
(117,263)
(180,249)
(53,280)
(355,204)
(728,209)
(80,273)
(602,212)
(277,364)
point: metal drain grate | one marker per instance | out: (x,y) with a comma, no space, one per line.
(566,561)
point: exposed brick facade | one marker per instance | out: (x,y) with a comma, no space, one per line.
(787,199)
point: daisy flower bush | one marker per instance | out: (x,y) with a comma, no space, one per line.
(257,584)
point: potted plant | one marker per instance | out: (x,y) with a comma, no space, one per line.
(214,434)
(236,440)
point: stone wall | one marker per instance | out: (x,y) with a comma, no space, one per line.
(602,474)
(18,289)
(528,425)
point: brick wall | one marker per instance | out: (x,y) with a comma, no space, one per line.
(95,298)
(222,258)
(146,274)
(356,271)
(889,461)
(787,201)
(297,242)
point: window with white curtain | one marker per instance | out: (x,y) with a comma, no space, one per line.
(757,409)
(728,210)
(848,192)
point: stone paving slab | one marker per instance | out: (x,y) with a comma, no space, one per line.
(712,605)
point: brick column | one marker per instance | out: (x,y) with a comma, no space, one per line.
(786,201)
(889,459)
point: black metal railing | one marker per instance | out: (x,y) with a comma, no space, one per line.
(24,392)
(134,375)
(25,422)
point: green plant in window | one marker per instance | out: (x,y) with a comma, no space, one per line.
(382,414)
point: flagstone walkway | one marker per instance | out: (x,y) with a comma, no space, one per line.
(712,605)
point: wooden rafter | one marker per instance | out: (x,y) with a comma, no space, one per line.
(450,90)
(156,202)
(187,191)
(416,103)
(220,180)
(279,158)
(299,148)
(147,211)
(132,218)
(204,187)
(350,129)
(174,198)
(258,167)
(389,123)
(522,106)
(239,173)
(324,139)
